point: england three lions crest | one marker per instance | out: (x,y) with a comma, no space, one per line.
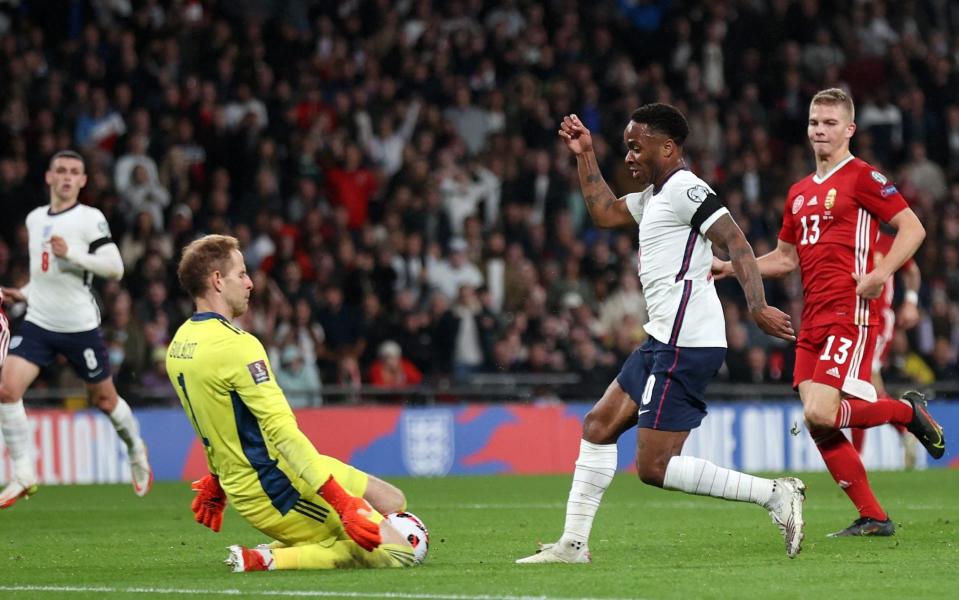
(427,441)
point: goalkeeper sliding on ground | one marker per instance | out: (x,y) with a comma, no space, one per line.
(320,512)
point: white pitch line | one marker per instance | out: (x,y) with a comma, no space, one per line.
(66,589)
(556,505)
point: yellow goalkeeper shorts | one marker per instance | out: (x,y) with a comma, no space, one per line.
(311,520)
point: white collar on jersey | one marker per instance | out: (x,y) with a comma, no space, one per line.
(842,164)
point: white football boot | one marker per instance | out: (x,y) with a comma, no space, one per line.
(140,472)
(23,483)
(15,491)
(569,551)
(242,559)
(785,509)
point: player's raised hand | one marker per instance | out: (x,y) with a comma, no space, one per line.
(209,503)
(355,514)
(774,322)
(578,139)
(869,285)
(722,269)
(59,246)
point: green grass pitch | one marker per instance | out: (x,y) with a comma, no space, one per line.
(103,542)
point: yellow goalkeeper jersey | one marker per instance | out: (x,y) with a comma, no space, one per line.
(252,442)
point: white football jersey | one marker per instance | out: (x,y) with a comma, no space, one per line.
(675,263)
(59,296)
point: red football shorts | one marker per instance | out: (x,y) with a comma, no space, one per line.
(838,355)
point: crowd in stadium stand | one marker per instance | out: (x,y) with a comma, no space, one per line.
(393,170)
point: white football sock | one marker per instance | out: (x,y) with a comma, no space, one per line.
(16,436)
(594,472)
(127,426)
(697,476)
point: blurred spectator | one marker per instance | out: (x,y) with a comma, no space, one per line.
(351,186)
(342,326)
(448,276)
(145,195)
(136,156)
(944,361)
(126,344)
(924,175)
(626,301)
(299,378)
(386,146)
(737,353)
(470,348)
(391,369)
(469,121)
(154,382)
(99,126)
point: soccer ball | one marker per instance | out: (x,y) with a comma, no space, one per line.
(410,526)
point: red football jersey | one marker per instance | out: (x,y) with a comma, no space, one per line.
(887,317)
(833,222)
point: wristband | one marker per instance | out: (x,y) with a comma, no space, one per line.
(911,296)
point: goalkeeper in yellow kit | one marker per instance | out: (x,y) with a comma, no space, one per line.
(320,512)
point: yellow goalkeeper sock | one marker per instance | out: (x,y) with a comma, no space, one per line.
(342,554)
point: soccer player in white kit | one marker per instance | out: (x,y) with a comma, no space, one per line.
(661,385)
(69,244)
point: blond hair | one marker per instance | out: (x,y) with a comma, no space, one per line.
(835,97)
(201,258)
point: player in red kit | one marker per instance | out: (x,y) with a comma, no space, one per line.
(907,318)
(829,229)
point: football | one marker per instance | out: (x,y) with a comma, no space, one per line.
(414,531)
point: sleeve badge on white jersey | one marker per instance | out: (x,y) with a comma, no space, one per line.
(104,228)
(697,193)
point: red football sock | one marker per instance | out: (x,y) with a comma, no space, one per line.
(854,412)
(847,469)
(858,438)
(900,427)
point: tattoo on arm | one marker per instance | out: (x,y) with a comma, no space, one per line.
(729,237)
(747,272)
(599,198)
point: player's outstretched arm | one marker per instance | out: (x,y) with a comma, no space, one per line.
(780,262)
(729,237)
(605,209)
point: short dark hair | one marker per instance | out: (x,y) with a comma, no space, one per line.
(67,154)
(835,97)
(665,119)
(201,258)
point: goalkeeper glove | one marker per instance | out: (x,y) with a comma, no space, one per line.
(355,514)
(209,503)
